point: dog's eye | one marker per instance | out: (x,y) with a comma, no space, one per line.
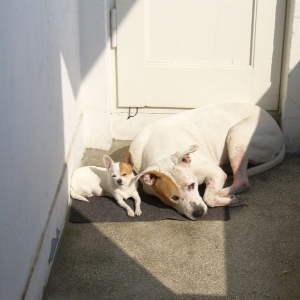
(113,175)
(191,186)
(124,174)
(176,198)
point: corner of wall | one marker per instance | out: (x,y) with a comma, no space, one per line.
(97,129)
(54,226)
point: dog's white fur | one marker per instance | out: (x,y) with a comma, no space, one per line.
(116,180)
(224,133)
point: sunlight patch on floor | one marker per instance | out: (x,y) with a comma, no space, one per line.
(184,257)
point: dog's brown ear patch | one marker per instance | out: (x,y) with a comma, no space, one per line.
(125,169)
(128,159)
(164,186)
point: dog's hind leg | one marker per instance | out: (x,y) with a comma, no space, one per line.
(240,177)
(237,142)
(77,196)
(98,191)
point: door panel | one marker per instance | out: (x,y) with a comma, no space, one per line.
(187,53)
(186,39)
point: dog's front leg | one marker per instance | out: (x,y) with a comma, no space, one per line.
(214,184)
(122,203)
(137,203)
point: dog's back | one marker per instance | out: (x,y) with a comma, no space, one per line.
(86,181)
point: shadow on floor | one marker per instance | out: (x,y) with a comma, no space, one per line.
(254,255)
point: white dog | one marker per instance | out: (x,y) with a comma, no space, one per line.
(239,134)
(116,180)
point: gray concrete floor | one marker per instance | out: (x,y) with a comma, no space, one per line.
(254,255)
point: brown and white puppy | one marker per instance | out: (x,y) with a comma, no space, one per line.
(116,180)
(235,133)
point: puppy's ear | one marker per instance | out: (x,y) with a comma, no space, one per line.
(128,160)
(184,156)
(108,162)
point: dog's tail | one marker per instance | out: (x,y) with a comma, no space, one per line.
(77,196)
(268,165)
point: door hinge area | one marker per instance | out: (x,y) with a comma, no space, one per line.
(113,28)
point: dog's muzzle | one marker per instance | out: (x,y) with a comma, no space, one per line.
(119,181)
(198,211)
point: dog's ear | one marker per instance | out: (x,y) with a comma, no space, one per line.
(184,156)
(137,177)
(163,185)
(150,177)
(128,160)
(108,162)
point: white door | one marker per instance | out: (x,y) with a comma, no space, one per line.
(187,53)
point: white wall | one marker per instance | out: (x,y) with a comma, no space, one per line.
(40,123)
(96,68)
(291,100)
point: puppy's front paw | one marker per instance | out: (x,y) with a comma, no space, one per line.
(138,212)
(130,212)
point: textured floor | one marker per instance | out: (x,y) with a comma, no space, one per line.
(254,255)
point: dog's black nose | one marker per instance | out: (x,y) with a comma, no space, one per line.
(119,181)
(198,212)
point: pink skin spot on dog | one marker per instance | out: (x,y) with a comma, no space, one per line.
(210,184)
(236,161)
(186,158)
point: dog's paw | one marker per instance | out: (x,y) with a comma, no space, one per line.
(130,213)
(235,201)
(138,212)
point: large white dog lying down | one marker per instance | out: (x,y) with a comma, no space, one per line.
(216,135)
